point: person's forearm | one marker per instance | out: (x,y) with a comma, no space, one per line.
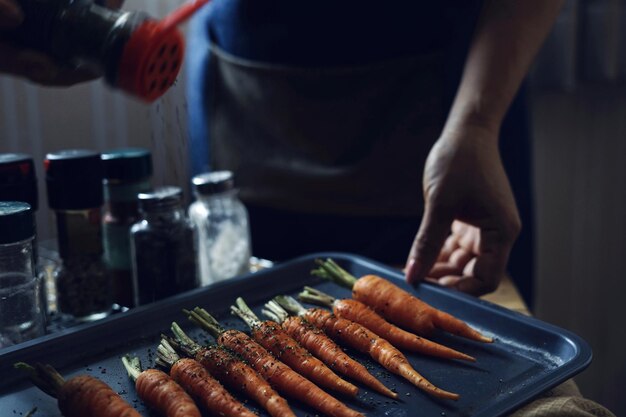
(507,37)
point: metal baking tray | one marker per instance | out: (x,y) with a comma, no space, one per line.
(527,358)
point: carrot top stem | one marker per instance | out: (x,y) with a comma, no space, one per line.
(183,342)
(315,296)
(330,270)
(45,377)
(275,312)
(290,304)
(245,313)
(166,354)
(133,366)
(205,321)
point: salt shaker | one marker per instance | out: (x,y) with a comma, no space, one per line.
(221,219)
(162,247)
(21,309)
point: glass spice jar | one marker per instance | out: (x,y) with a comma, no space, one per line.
(223,227)
(127,172)
(163,247)
(74,185)
(21,309)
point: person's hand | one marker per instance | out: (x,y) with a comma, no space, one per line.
(32,65)
(466,192)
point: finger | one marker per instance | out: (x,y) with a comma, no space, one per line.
(460,257)
(20,62)
(66,77)
(441,269)
(39,68)
(470,239)
(450,281)
(448,247)
(10,14)
(490,265)
(434,230)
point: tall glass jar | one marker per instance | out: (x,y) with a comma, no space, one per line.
(223,227)
(127,173)
(74,184)
(21,309)
(163,247)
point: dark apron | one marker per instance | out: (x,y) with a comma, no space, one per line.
(349,141)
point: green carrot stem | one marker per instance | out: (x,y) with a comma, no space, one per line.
(329,269)
(245,313)
(203,319)
(290,304)
(315,296)
(166,354)
(133,366)
(275,312)
(183,342)
(45,377)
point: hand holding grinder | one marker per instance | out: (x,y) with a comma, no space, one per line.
(132,51)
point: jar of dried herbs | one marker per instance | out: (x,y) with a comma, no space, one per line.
(74,185)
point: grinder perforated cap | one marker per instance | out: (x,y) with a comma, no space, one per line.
(153,55)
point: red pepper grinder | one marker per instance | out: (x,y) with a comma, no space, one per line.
(133,52)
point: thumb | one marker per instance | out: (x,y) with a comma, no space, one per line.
(432,234)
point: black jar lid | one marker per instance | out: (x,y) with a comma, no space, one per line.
(162,198)
(74,179)
(16,222)
(213,182)
(18,181)
(127,164)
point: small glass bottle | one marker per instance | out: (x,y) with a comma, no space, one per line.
(163,247)
(74,184)
(127,172)
(21,309)
(18,182)
(221,219)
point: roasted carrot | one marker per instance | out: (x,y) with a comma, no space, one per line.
(397,305)
(79,396)
(160,392)
(360,338)
(279,375)
(358,312)
(199,383)
(316,341)
(272,337)
(233,372)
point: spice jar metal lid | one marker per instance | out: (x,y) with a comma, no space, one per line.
(162,198)
(74,179)
(18,181)
(17,222)
(213,182)
(127,164)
